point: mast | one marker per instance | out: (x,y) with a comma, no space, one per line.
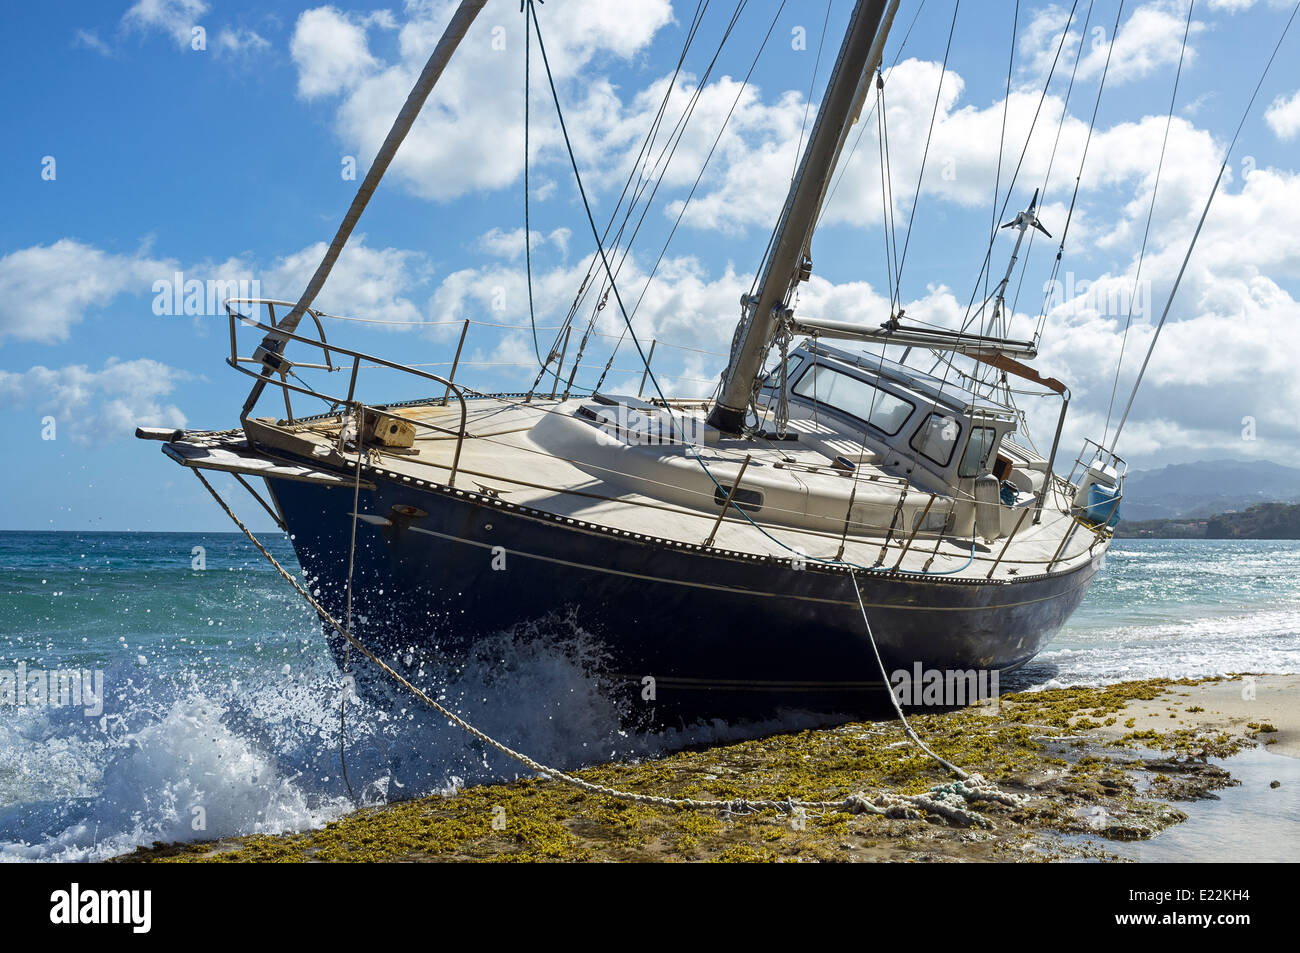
(786,264)
(865,82)
(273,344)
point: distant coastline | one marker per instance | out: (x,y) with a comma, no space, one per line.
(1261,521)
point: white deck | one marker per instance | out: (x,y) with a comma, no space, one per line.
(541,455)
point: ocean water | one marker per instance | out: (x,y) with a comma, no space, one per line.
(1180,607)
(220,706)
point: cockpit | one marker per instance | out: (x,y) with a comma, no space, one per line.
(931,429)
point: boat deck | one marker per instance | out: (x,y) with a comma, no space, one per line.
(542,455)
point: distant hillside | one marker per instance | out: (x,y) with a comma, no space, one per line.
(1261,521)
(1200,490)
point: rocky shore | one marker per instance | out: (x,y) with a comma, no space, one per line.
(1086,769)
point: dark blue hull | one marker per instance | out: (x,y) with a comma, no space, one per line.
(720,634)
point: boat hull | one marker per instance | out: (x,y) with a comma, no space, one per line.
(685,632)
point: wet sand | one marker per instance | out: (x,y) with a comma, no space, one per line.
(1248,703)
(1090,771)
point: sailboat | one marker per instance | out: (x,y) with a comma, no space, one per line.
(829,516)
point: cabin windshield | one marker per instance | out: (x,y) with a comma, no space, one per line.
(884,411)
(936,438)
(976,458)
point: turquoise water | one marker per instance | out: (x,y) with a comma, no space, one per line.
(219,695)
(1181,608)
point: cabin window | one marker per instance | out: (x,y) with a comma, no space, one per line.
(933,522)
(976,458)
(936,438)
(742,499)
(879,408)
(792,365)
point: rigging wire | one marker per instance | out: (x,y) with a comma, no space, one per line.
(966,322)
(925,154)
(1047,176)
(1087,143)
(659,169)
(812,85)
(1200,224)
(1002,141)
(582,192)
(886,217)
(889,179)
(665,157)
(676,136)
(641,177)
(947,359)
(976,378)
(600,249)
(1056,265)
(839,172)
(528,232)
(1015,175)
(1155,190)
(744,84)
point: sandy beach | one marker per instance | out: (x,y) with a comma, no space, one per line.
(1250,703)
(1085,771)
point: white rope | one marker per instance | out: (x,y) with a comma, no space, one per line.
(898,708)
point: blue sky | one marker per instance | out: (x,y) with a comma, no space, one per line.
(131,155)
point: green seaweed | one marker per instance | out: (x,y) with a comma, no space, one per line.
(536,820)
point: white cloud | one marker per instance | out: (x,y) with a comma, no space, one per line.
(97,405)
(330,52)
(470,133)
(559,237)
(240,41)
(1228,350)
(1150,39)
(49,288)
(373,283)
(91,41)
(1283,116)
(176,18)
(383,19)
(1225,357)
(510,244)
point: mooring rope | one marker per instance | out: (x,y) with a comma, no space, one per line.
(949,801)
(898,708)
